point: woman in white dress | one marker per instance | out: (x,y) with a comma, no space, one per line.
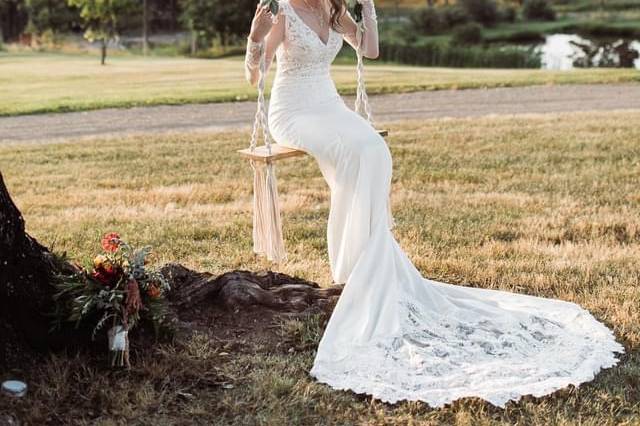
(394,334)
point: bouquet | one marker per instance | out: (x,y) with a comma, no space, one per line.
(117,289)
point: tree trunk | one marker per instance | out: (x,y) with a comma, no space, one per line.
(103,52)
(145,27)
(27,270)
(194,42)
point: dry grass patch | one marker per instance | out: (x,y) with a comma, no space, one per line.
(543,205)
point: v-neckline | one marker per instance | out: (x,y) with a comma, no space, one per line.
(325,44)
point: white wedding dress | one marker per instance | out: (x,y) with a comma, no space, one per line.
(394,334)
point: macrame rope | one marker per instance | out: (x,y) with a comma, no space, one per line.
(267,225)
(362,100)
(261,113)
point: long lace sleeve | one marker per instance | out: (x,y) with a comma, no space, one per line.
(267,47)
(252,59)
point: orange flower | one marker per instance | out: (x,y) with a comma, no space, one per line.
(102,262)
(111,242)
(153,291)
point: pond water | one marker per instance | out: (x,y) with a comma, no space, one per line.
(567,51)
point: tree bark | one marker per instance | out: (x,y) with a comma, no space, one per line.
(241,289)
(103,52)
(145,27)
(27,270)
(194,42)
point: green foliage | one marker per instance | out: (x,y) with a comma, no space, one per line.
(222,19)
(599,29)
(355,8)
(101,16)
(49,15)
(428,21)
(508,13)
(482,11)
(538,10)
(470,33)
(101,19)
(273,5)
(517,37)
(455,15)
(595,5)
(448,55)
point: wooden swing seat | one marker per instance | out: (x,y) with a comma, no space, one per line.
(279,152)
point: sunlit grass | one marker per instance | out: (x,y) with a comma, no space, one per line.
(35,83)
(544,205)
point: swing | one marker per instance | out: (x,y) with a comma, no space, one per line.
(267,226)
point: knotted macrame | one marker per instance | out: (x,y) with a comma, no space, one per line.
(267,226)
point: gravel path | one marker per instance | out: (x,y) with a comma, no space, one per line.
(419,105)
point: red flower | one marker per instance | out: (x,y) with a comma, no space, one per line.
(102,277)
(111,242)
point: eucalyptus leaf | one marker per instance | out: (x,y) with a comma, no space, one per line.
(273,6)
(356,9)
(357,12)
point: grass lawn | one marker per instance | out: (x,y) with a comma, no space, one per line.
(543,205)
(36,83)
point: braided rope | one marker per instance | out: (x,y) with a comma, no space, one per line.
(260,120)
(362,99)
(267,225)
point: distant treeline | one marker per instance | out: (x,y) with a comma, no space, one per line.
(207,19)
(443,55)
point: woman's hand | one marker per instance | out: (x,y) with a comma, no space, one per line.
(261,23)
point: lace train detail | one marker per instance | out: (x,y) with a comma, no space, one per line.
(439,359)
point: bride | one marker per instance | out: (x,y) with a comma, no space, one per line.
(394,334)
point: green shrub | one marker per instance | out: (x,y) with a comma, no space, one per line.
(508,14)
(518,37)
(538,10)
(601,29)
(454,16)
(470,33)
(428,21)
(483,11)
(448,55)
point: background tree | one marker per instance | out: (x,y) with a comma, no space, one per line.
(221,19)
(13,18)
(482,11)
(48,15)
(145,27)
(101,18)
(538,10)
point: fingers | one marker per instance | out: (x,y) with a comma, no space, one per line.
(263,11)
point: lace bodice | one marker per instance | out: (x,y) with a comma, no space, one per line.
(302,54)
